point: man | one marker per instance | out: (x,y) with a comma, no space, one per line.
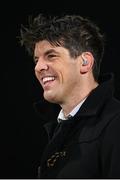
(84,140)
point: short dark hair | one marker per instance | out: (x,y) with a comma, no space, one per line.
(74,32)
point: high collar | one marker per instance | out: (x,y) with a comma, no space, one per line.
(46,111)
(98,96)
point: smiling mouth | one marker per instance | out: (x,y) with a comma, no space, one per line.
(47,80)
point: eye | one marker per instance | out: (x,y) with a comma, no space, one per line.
(51,56)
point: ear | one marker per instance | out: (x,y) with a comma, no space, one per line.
(87,61)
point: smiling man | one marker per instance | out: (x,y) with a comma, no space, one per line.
(61,75)
(83,142)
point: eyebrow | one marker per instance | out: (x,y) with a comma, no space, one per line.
(50,51)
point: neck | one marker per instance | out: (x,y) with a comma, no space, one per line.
(77,97)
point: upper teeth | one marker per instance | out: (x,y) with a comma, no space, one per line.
(45,79)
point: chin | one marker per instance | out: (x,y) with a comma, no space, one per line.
(50,97)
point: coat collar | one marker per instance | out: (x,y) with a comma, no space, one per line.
(98,96)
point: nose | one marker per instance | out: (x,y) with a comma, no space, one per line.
(41,65)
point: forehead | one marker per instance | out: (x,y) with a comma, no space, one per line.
(41,45)
(44,46)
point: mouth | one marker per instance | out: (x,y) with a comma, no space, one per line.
(47,81)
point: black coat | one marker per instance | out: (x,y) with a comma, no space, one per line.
(87,145)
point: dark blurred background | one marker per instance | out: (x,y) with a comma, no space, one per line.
(22,136)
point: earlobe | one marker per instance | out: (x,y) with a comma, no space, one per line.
(84,69)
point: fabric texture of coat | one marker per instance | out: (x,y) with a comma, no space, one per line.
(88,144)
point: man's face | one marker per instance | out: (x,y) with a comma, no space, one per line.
(56,71)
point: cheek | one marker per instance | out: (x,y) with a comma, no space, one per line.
(67,75)
(72,77)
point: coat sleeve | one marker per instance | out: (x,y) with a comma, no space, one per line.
(111,150)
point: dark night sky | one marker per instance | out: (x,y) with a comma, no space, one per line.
(22,131)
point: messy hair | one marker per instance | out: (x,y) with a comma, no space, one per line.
(73,32)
